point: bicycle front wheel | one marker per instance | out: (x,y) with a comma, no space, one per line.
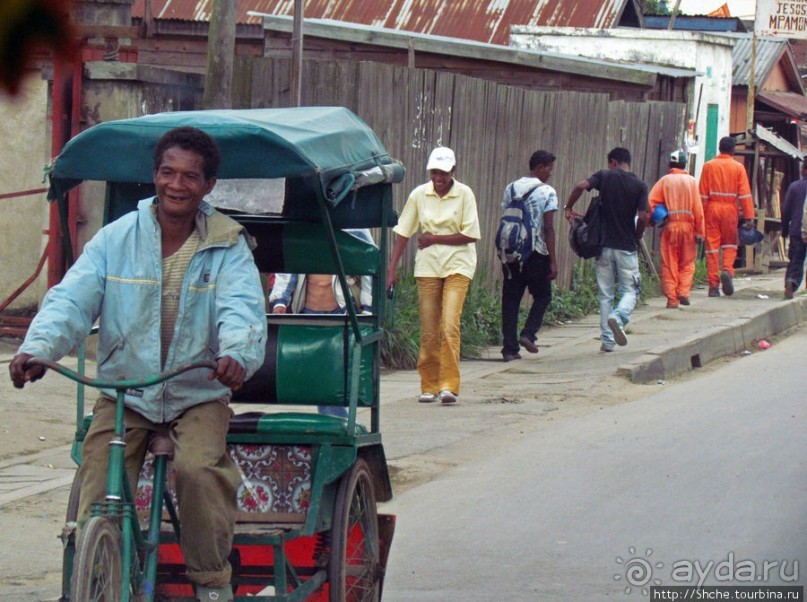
(97,565)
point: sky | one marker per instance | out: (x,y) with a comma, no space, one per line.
(738,8)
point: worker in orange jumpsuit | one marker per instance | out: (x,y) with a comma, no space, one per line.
(724,185)
(678,193)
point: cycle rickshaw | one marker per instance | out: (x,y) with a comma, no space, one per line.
(308,527)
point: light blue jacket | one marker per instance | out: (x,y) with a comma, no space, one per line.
(117,280)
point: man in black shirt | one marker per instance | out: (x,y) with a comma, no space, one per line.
(623,213)
(793,228)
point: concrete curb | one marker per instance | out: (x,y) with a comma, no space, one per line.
(734,337)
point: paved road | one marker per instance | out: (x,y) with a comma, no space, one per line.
(501,404)
(708,469)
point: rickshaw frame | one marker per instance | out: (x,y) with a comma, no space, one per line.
(337,175)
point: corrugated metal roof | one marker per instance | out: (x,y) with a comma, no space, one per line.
(634,73)
(692,23)
(480,20)
(768,52)
(777,142)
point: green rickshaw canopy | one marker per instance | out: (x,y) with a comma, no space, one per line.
(330,147)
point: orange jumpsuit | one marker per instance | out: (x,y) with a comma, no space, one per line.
(678,192)
(723,185)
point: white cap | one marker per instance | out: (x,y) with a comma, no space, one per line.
(442,158)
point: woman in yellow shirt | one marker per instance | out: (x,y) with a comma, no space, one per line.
(444,211)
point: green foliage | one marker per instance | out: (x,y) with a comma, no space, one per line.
(578,301)
(700,272)
(481,315)
(655,7)
(401,341)
(651,283)
(481,320)
(480,323)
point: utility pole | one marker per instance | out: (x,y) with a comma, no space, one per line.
(297,55)
(671,23)
(220,56)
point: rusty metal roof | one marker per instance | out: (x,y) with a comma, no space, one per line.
(788,103)
(479,20)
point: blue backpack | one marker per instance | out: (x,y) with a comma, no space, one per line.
(514,235)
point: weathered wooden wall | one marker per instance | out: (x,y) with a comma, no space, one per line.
(492,128)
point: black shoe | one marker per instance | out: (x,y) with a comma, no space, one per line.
(509,357)
(789,290)
(726,283)
(605,349)
(714,291)
(683,300)
(528,344)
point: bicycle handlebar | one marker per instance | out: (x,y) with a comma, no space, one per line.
(119,385)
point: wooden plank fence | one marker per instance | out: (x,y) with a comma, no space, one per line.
(493,129)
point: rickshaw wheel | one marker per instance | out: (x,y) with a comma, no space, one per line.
(354,568)
(97,566)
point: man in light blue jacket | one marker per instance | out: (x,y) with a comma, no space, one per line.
(171,283)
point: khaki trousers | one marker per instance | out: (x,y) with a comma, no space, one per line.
(440,302)
(206,479)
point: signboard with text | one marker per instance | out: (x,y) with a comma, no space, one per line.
(787,18)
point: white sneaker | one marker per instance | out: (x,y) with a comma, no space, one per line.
(447,397)
(427,398)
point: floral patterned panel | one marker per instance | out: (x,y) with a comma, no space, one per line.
(274,479)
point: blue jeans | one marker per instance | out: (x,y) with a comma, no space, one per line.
(338,411)
(616,268)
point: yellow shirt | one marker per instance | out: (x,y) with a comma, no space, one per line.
(455,213)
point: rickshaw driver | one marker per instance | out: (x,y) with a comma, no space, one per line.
(211,306)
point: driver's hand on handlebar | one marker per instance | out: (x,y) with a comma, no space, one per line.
(229,372)
(20,374)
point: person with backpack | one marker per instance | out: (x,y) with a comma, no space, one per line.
(525,244)
(623,199)
(443,210)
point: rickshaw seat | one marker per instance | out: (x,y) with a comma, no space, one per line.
(308,362)
(309,424)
